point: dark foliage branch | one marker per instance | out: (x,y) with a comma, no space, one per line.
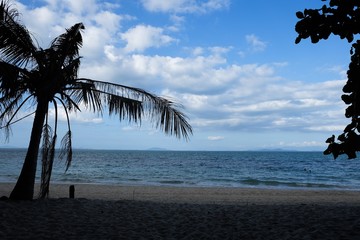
(340,18)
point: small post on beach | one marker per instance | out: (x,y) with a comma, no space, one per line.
(71,191)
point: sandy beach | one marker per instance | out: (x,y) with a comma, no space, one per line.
(144,212)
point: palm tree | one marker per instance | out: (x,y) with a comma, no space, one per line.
(43,78)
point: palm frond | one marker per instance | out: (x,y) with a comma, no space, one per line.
(9,78)
(47,144)
(48,155)
(46,138)
(86,92)
(133,103)
(169,118)
(66,142)
(70,71)
(9,109)
(16,44)
(96,98)
(6,12)
(68,102)
(18,120)
(66,149)
(12,91)
(8,106)
(124,107)
(47,165)
(67,45)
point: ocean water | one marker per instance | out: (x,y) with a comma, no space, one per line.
(197,169)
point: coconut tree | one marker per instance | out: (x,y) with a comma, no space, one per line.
(46,79)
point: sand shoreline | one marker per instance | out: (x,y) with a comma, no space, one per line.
(144,212)
(199,195)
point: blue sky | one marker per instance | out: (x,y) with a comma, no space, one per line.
(232,64)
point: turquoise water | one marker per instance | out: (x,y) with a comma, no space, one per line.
(196,168)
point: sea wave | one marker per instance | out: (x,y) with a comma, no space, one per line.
(208,169)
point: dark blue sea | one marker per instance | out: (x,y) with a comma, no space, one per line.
(309,170)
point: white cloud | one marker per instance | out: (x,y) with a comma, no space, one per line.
(81,118)
(196,102)
(177,22)
(186,73)
(198,51)
(108,21)
(142,37)
(81,7)
(255,43)
(185,6)
(218,51)
(327,128)
(301,144)
(163,6)
(216,138)
(84,116)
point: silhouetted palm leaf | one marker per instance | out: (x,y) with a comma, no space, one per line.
(48,141)
(16,44)
(66,149)
(68,44)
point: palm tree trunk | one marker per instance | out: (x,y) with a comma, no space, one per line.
(24,188)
